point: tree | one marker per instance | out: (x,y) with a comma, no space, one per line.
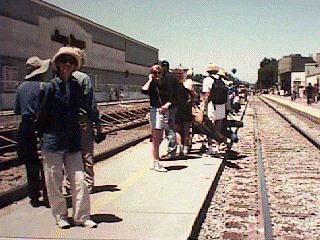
(267,73)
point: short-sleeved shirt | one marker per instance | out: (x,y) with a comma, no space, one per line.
(215,111)
(27,99)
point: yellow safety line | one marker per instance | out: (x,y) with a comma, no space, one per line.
(106,198)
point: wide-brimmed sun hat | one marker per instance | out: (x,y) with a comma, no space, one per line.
(35,66)
(67,51)
(190,72)
(212,68)
(81,54)
(222,73)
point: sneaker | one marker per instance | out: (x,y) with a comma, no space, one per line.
(179,151)
(209,152)
(185,150)
(90,189)
(63,223)
(223,146)
(87,223)
(160,168)
(35,203)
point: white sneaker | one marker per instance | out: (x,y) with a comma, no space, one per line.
(209,152)
(87,223)
(185,150)
(154,164)
(63,223)
(160,168)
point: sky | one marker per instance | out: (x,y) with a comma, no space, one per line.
(230,33)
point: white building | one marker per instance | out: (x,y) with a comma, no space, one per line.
(312,71)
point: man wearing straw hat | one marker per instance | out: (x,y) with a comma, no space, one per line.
(215,112)
(26,106)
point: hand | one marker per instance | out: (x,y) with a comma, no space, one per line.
(166,106)
(150,77)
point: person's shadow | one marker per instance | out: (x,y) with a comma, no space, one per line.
(176,168)
(105,218)
(105,188)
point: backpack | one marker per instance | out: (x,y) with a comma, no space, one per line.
(219,92)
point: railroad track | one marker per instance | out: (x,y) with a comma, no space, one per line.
(270,189)
(116,121)
(114,117)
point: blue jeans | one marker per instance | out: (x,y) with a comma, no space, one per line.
(171,134)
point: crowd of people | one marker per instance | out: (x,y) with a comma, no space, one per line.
(177,113)
(62,115)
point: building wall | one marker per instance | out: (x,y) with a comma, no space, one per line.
(111,58)
(284,65)
(312,74)
(315,79)
(297,78)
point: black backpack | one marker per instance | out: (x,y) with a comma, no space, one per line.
(219,92)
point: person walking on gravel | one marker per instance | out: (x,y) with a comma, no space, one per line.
(160,103)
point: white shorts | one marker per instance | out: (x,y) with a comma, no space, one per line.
(159,119)
(217,112)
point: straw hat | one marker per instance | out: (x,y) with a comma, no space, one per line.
(188,83)
(67,51)
(81,54)
(189,72)
(222,73)
(35,66)
(212,68)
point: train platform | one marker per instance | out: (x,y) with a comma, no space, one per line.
(300,105)
(130,200)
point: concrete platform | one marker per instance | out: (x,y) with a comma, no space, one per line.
(130,202)
(299,105)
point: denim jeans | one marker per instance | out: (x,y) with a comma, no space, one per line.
(171,134)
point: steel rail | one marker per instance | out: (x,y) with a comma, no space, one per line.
(304,133)
(263,192)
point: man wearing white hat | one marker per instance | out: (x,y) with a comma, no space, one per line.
(26,106)
(61,138)
(215,112)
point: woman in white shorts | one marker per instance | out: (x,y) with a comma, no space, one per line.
(160,104)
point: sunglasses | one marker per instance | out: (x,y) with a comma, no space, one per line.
(68,59)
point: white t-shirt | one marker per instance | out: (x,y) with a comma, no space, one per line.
(219,110)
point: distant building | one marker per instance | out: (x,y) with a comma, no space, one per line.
(35,28)
(312,73)
(291,71)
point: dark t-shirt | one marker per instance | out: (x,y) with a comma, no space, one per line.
(27,99)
